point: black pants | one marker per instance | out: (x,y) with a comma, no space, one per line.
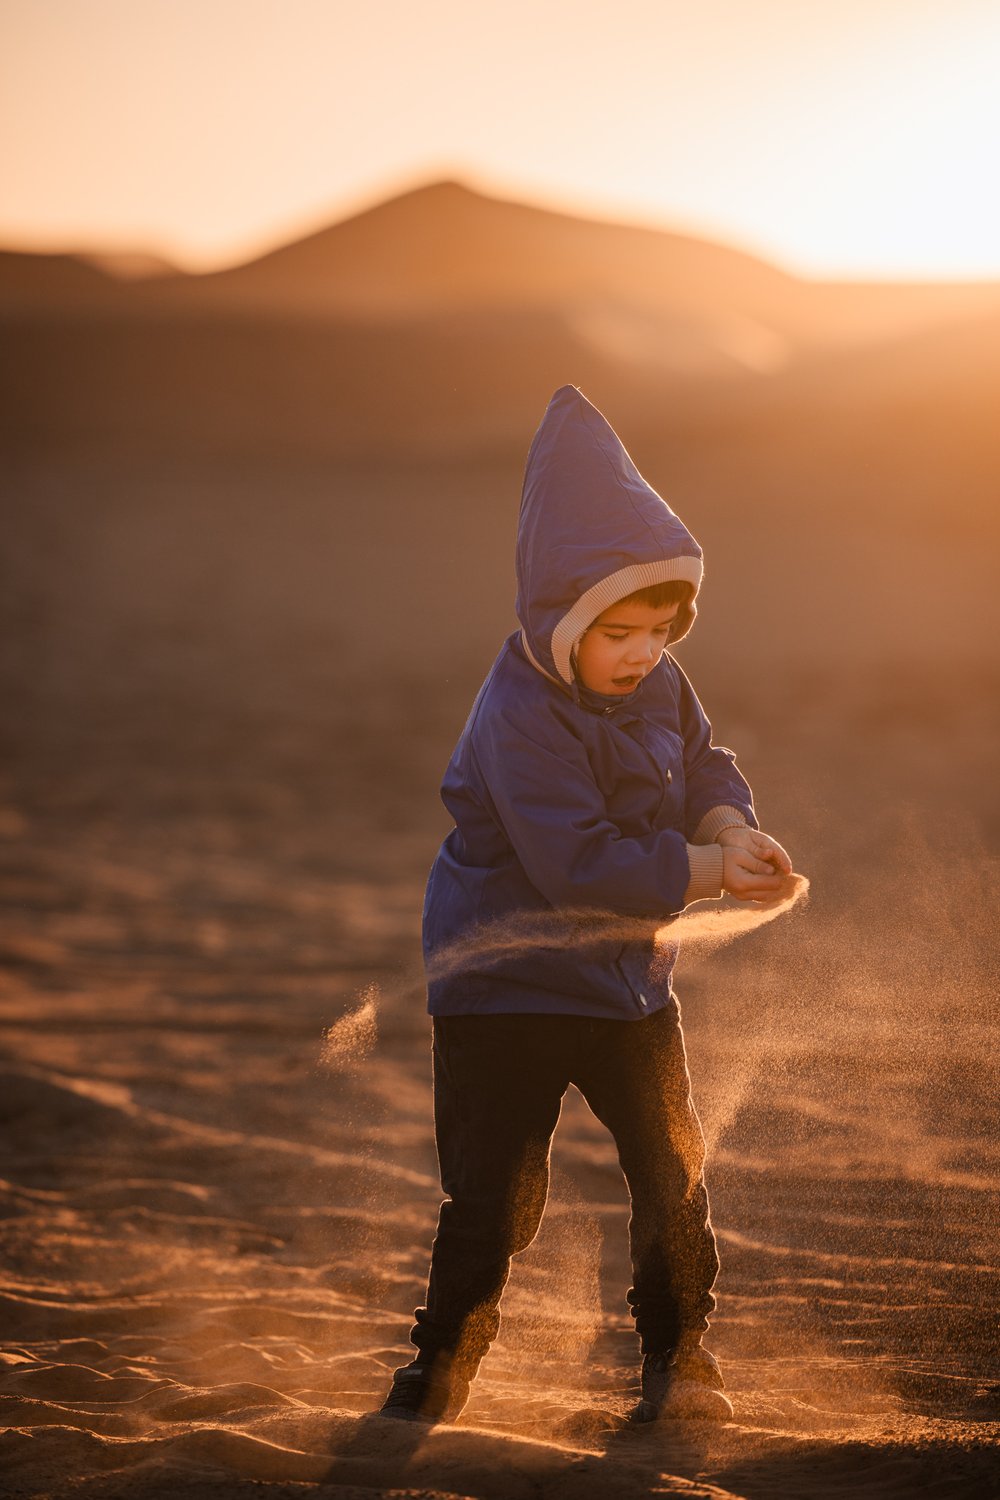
(498,1087)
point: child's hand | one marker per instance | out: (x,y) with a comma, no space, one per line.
(762,845)
(748,878)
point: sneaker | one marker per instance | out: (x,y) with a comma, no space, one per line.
(682,1383)
(426,1391)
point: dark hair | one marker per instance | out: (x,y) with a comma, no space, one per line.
(659,595)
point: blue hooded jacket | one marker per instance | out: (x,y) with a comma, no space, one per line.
(564,798)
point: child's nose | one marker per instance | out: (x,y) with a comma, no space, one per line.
(645,650)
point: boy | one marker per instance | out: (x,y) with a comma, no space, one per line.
(584,778)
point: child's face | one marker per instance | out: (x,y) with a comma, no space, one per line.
(622,646)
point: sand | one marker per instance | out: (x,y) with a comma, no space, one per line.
(220,1182)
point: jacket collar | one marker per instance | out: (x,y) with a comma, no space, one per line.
(603,703)
(584,697)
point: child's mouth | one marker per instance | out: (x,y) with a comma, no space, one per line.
(624,681)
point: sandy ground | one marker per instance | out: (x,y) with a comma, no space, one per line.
(215,1230)
(233,664)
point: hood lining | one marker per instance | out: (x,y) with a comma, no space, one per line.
(601,596)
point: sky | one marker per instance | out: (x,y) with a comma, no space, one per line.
(856,139)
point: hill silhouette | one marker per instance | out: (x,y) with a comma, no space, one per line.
(53,284)
(438,320)
(444,246)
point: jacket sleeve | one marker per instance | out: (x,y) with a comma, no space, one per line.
(550,807)
(712,781)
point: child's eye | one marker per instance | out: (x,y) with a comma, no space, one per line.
(614,637)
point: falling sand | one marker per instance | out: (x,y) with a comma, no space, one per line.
(350,1039)
(593,928)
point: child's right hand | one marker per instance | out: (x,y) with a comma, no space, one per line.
(748,878)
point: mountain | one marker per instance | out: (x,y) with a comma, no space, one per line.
(47,284)
(441,320)
(446,247)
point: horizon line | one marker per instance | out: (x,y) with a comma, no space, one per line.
(183,262)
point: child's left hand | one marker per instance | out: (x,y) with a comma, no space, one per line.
(760,844)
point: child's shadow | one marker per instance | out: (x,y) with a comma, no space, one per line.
(681,1448)
(381,1451)
(371,1440)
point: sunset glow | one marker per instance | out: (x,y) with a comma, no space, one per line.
(855,141)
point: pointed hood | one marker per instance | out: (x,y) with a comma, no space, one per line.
(591,530)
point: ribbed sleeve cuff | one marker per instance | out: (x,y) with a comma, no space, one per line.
(705,861)
(714,821)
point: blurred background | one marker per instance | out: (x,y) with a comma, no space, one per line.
(285,291)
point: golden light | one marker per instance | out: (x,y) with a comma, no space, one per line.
(855,141)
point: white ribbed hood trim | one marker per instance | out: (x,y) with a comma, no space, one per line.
(616,586)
